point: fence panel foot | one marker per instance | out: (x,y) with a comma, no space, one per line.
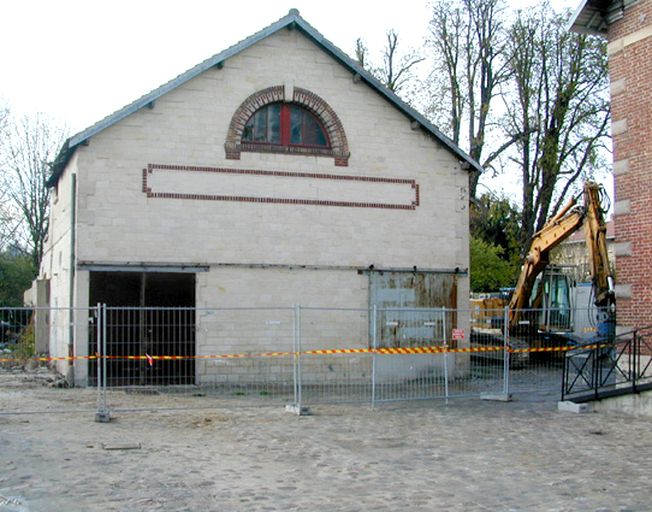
(496,397)
(102,417)
(298,410)
(568,406)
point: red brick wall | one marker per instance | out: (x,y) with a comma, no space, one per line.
(631,78)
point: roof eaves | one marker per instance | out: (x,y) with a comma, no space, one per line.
(594,16)
(60,162)
(585,19)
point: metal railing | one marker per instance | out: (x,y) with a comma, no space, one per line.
(609,367)
(14,323)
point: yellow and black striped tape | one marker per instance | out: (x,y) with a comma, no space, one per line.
(47,359)
(438,349)
(551,349)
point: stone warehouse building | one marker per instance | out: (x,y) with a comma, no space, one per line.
(627,24)
(276,172)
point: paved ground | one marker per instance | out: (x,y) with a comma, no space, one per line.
(467,456)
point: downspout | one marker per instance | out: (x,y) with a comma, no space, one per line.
(71,289)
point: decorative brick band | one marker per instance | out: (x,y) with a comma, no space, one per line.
(151,191)
(339,149)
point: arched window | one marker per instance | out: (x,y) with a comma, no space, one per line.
(285,124)
(288,121)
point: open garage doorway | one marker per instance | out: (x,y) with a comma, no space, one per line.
(149,315)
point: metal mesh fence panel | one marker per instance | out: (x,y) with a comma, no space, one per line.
(335,364)
(438,355)
(539,343)
(15,325)
(390,354)
(410,363)
(237,354)
(39,353)
(483,369)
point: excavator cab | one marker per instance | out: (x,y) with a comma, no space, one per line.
(551,299)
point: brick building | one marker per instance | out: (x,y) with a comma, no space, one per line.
(627,24)
(276,172)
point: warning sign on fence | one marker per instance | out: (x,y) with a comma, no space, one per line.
(458,334)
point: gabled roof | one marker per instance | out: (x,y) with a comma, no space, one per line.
(595,16)
(292,20)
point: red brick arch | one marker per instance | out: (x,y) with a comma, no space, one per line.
(339,149)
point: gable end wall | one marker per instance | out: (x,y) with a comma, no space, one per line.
(189,126)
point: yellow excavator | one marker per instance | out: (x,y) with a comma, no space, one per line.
(530,305)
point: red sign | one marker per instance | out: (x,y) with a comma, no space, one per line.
(458,334)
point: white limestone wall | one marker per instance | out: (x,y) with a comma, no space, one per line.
(639,404)
(188,126)
(267,322)
(55,266)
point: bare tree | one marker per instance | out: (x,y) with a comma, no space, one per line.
(4,120)
(8,224)
(469,41)
(361,51)
(557,110)
(397,68)
(27,147)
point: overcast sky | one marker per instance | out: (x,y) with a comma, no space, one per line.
(79,60)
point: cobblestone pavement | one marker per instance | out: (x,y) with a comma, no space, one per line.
(465,456)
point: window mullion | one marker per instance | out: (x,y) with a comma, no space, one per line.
(285,124)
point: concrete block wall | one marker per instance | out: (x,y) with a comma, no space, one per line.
(56,267)
(188,126)
(267,322)
(630,68)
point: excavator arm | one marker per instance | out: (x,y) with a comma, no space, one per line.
(558,229)
(595,230)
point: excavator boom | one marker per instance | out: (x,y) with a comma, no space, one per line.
(558,229)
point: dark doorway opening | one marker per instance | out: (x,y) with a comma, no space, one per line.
(150,327)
